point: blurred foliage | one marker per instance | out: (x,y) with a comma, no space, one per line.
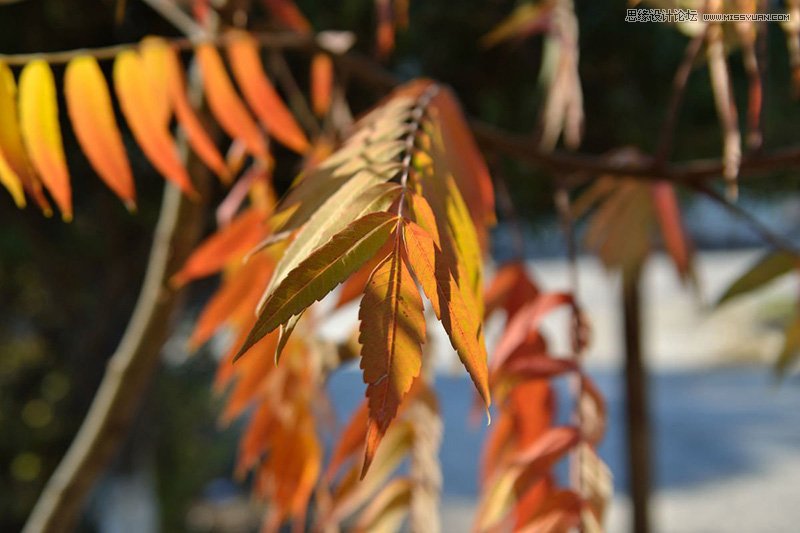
(67,290)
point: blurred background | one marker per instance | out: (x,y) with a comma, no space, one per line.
(726,433)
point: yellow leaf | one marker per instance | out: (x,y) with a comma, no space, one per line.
(136,99)
(38,110)
(454,308)
(92,117)
(13,160)
(157,70)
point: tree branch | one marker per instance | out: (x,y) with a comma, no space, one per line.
(129,369)
(521,147)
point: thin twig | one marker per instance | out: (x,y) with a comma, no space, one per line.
(297,101)
(756,225)
(520,147)
(171,12)
(268,40)
(679,83)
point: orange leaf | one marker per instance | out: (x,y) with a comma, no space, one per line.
(196,134)
(11,144)
(92,117)
(392,332)
(239,294)
(385,29)
(261,95)
(527,319)
(547,449)
(321,83)
(669,218)
(136,100)
(252,380)
(227,244)
(226,105)
(38,116)
(255,440)
(465,160)
(350,441)
(510,289)
(458,316)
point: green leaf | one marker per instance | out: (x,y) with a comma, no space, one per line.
(321,272)
(770,266)
(365,193)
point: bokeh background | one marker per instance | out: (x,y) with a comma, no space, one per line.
(726,433)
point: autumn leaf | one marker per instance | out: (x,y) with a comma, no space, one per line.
(765,270)
(163,56)
(363,194)
(12,154)
(157,71)
(458,315)
(229,243)
(465,160)
(392,332)
(225,104)
(261,95)
(321,271)
(321,83)
(668,213)
(236,298)
(92,117)
(527,19)
(38,116)
(146,121)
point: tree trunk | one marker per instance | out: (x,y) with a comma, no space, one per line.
(638,426)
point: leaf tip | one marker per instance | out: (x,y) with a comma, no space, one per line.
(130,205)
(373,438)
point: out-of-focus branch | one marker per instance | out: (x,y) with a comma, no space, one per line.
(171,12)
(520,147)
(679,83)
(129,369)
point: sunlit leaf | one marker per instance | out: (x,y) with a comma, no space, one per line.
(136,100)
(162,54)
(392,332)
(321,271)
(225,104)
(38,118)
(321,83)
(261,95)
(458,316)
(227,244)
(92,117)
